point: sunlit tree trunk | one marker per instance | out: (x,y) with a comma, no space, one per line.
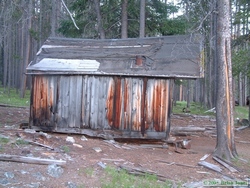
(225,147)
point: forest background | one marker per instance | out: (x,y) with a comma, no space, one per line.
(26,24)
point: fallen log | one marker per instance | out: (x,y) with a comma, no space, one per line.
(241,128)
(32,160)
(188,129)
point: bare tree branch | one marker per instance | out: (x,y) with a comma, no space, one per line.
(70,14)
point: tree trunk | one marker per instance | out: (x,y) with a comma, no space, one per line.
(53,17)
(27,40)
(124,19)
(99,19)
(142,19)
(188,93)
(240,89)
(225,147)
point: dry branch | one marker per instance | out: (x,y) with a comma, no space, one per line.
(33,160)
(142,172)
(70,14)
(38,144)
(243,142)
(177,164)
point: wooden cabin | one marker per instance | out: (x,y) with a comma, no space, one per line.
(114,87)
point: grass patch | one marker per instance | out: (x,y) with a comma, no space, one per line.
(21,142)
(89,172)
(12,97)
(4,140)
(66,149)
(195,108)
(114,178)
(240,112)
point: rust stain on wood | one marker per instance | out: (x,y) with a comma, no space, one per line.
(131,104)
(143,115)
(117,103)
(127,104)
(109,103)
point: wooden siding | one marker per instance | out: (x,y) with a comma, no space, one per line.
(135,106)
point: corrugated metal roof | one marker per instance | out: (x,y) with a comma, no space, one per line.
(169,56)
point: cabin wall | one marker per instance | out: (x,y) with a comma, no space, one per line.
(136,106)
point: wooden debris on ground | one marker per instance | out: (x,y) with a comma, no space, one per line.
(210,166)
(188,129)
(32,160)
(226,164)
(112,142)
(241,128)
(204,157)
(113,160)
(177,164)
(97,149)
(192,130)
(119,146)
(142,172)
(243,142)
(38,144)
(151,146)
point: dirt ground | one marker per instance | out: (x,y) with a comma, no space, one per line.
(83,167)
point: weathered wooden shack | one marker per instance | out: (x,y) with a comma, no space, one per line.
(115,87)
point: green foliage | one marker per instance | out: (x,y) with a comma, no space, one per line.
(11,97)
(114,178)
(158,21)
(241,62)
(173,26)
(34,34)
